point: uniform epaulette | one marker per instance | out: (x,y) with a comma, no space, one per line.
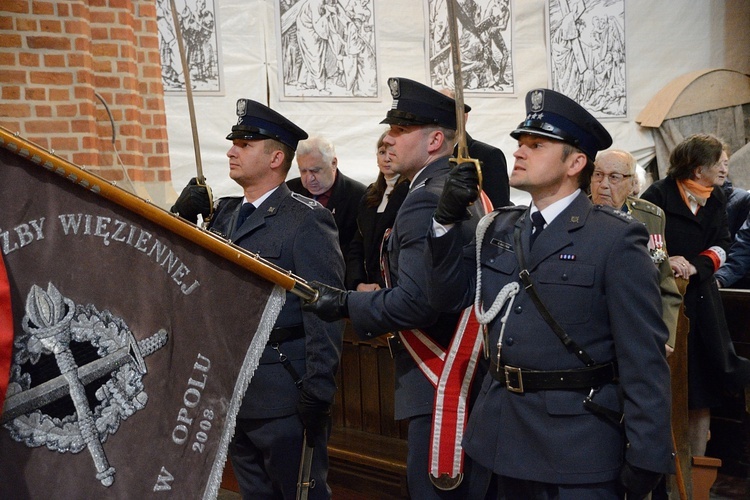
(225,199)
(646,206)
(618,214)
(511,208)
(308,202)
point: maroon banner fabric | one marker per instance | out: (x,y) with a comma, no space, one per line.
(133,346)
(6,332)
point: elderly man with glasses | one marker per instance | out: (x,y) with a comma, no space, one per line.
(612,184)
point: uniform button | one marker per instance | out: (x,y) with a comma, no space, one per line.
(509,341)
(565,277)
(518,309)
(492,261)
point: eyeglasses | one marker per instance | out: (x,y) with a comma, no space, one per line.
(614,178)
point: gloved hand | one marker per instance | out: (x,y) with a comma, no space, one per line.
(461,190)
(638,482)
(315,416)
(193,200)
(331,304)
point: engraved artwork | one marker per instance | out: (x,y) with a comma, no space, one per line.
(484,35)
(200,41)
(77,373)
(327,48)
(586,40)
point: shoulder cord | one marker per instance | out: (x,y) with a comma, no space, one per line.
(508,292)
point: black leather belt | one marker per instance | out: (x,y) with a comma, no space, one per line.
(279,335)
(522,380)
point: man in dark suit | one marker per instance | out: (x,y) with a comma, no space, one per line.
(321,180)
(420,141)
(494,167)
(575,343)
(292,389)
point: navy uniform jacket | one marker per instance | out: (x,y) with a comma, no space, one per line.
(299,235)
(591,268)
(343,204)
(405,305)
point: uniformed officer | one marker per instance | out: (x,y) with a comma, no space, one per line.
(293,387)
(420,141)
(611,184)
(571,301)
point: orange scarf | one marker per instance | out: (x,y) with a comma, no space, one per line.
(691,189)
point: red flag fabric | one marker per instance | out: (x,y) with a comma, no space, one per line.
(132,349)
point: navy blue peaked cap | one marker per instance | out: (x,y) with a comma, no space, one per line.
(557,116)
(257,121)
(417,104)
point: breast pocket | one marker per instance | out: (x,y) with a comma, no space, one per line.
(268,248)
(567,289)
(499,258)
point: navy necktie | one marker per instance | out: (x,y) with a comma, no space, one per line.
(245,211)
(537,221)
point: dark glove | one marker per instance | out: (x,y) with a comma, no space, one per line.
(331,304)
(638,482)
(460,191)
(315,416)
(193,200)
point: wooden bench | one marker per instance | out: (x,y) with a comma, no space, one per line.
(730,423)
(367,447)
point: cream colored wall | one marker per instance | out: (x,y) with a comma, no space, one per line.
(665,39)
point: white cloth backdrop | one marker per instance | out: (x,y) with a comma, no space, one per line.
(665,39)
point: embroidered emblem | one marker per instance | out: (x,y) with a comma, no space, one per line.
(575,219)
(656,248)
(567,256)
(55,331)
(537,100)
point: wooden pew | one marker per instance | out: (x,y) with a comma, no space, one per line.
(730,424)
(367,448)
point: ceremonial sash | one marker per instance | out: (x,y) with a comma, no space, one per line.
(451,372)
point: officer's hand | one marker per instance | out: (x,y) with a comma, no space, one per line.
(638,482)
(193,200)
(460,191)
(315,416)
(331,304)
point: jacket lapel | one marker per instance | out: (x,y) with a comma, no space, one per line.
(556,235)
(257,219)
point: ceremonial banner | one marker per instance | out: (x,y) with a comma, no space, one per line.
(132,343)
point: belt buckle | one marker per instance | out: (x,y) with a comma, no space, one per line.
(508,384)
(393,341)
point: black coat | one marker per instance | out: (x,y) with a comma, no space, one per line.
(711,355)
(363,259)
(342,204)
(494,171)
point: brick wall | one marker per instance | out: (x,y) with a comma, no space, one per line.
(60,59)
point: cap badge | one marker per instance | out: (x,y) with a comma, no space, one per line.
(394,86)
(241,107)
(537,100)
